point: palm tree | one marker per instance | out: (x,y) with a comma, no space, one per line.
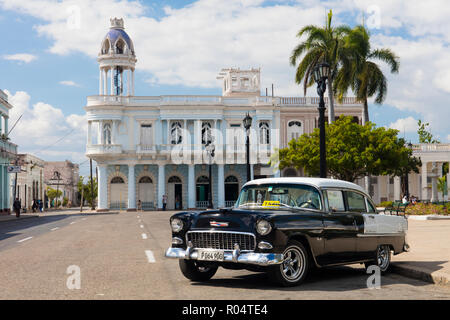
(360,73)
(321,44)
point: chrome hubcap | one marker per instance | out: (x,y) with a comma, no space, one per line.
(383,257)
(293,265)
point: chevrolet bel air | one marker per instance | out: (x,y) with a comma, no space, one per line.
(286,226)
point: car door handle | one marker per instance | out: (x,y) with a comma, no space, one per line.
(371,217)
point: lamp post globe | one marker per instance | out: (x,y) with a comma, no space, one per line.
(321,73)
(247,125)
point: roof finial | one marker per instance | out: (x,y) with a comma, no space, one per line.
(116,23)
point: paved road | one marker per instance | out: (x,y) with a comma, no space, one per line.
(120,256)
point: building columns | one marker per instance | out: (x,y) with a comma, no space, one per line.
(131,188)
(191,186)
(434,189)
(161,184)
(221,186)
(397,189)
(424,181)
(102,188)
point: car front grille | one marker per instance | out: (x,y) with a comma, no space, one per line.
(221,240)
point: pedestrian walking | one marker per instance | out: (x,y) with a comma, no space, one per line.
(41,205)
(164,200)
(34,206)
(17,206)
(139,205)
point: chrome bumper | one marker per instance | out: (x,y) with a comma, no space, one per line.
(260,259)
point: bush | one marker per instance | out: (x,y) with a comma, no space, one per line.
(385,204)
(65,201)
(427,209)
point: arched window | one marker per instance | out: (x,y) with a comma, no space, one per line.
(120,46)
(206,133)
(174,179)
(176,133)
(202,179)
(294,130)
(231,179)
(106,133)
(145,180)
(264,133)
(290,172)
(106,46)
(117,180)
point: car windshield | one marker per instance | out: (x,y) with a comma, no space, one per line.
(269,196)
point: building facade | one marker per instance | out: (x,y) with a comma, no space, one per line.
(63,176)
(150,148)
(30,181)
(8,152)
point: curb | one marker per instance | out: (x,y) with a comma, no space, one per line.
(429,217)
(438,278)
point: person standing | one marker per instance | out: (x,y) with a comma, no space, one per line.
(17,206)
(164,200)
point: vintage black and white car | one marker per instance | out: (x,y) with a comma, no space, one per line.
(286,226)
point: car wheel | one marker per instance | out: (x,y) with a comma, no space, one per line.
(295,266)
(382,258)
(196,271)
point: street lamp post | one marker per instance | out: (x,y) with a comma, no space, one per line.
(210,148)
(247,124)
(321,73)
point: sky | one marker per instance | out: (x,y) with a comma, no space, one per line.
(49,48)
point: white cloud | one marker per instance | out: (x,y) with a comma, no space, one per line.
(408,124)
(42,125)
(189,45)
(69,83)
(20,57)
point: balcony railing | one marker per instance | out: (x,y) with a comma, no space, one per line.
(201,204)
(103,149)
(8,150)
(314,101)
(431,147)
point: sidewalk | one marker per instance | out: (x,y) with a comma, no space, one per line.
(429,256)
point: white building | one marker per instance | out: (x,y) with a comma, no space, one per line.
(146,147)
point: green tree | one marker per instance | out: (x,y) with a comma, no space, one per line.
(424,135)
(54,194)
(360,72)
(85,189)
(442,185)
(321,44)
(353,151)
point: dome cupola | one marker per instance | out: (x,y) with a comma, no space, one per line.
(116,58)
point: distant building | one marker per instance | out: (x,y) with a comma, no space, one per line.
(30,181)
(8,152)
(64,176)
(147,148)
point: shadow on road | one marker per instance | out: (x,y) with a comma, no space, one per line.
(14,227)
(342,278)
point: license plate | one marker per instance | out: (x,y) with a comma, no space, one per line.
(210,255)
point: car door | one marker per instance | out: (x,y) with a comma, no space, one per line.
(339,230)
(357,205)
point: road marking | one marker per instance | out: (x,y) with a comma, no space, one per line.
(142,226)
(144,236)
(150,256)
(73,222)
(56,228)
(25,239)
(84,219)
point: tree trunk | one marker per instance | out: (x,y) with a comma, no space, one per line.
(365,117)
(331,117)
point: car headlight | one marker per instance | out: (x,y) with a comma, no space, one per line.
(176,224)
(263,227)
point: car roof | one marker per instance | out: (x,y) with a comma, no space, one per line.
(316,182)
